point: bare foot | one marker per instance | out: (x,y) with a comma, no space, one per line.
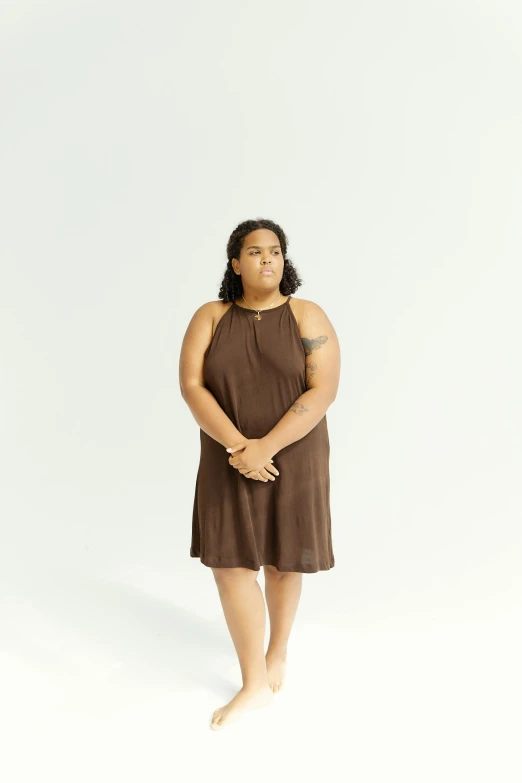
(245,699)
(276,668)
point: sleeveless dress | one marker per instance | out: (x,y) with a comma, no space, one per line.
(256,371)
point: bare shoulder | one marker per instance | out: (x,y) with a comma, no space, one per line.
(298,306)
(197,338)
(219,308)
(211,312)
(321,347)
(204,314)
(308,313)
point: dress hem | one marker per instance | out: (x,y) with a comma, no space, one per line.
(253,565)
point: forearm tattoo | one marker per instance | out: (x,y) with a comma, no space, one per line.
(298,408)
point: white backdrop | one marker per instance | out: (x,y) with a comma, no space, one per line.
(385,139)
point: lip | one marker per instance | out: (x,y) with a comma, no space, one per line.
(266,272)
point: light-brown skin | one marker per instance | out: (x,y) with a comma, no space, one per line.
(240,594)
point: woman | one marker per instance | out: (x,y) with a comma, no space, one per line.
(258,370)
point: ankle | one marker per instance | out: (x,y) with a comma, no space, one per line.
(254,685)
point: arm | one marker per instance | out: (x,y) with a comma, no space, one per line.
(206,410)
(323,367)
(210,416)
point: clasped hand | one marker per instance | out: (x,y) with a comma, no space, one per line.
(253,459)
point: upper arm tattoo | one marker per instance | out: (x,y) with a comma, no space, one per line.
(309,346)
(310,368)
(313,345)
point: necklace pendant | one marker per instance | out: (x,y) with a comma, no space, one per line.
(258,316)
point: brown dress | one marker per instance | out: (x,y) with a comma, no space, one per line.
(256,371)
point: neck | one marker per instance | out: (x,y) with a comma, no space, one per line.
(264,299)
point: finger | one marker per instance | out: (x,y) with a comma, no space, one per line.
(272,469)
(266,476)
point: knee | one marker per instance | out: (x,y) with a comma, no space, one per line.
(228,577)
(271,572)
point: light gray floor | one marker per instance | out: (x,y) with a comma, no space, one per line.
(114,676)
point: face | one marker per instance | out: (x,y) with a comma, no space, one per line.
(261,251)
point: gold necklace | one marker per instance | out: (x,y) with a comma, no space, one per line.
(258,316)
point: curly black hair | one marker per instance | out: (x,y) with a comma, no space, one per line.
(231,286)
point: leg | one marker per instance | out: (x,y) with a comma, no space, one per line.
(282,591)
(245,614)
